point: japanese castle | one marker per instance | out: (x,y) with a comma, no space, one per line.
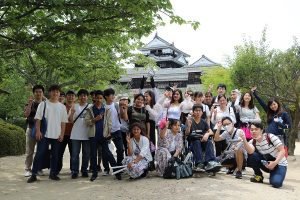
(172,67)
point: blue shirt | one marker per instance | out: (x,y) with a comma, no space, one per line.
(99,124)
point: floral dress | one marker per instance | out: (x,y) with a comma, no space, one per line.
(138,168)
(166,146)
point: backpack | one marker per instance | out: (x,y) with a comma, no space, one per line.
(268,141)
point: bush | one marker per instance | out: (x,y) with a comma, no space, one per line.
(19,121)
(12,140)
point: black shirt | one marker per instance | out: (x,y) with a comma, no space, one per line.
(30,118)
(199,128)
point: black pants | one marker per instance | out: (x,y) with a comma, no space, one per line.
(220,145)
(64,143)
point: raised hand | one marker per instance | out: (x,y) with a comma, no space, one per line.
(253,88)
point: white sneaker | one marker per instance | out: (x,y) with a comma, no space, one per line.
(40,173)
(105,173)
(27,173)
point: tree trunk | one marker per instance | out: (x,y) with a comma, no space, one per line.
(293,133)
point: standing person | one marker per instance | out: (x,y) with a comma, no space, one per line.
(208,99)
(70,101)
(79,135)
(174,106)
(237,155)
(99,121)
(220,111)
(124,102)
(137,113)
(139,154)
(115,131)
(62,97)
(198,100)
(155,111)
(235,97)
(221,90)
(56,117)
(29,113)
(248,113)
(266,152)
(277,119)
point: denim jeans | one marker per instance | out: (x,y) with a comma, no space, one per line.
(277,175)
(198,148)
(76,147)
(118,141)
(42,148)
(64,143)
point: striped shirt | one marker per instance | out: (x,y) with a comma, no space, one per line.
(264,147)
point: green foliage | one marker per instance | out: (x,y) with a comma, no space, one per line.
(214,76)
(275,73)
(78,43)
(12,105)
(12,140)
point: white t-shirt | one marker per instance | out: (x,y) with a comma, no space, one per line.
(116,125)
(174,112)
(264,147)
(228,112)
(55,114)
(227,136)
(80,129)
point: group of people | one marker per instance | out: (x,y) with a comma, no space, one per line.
(154,129)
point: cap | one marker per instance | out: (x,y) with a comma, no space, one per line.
(62,93)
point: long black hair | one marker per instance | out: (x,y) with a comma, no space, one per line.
(151,94)
(251,103)
(180,93)
(270,112)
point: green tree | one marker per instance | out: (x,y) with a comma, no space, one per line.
(275,73)
(75,42)
(214,75)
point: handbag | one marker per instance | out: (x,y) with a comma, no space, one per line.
(43,125)
(170,170)
(247,133)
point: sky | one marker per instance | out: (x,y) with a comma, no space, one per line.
(224,24)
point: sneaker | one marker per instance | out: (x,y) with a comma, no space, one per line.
(105,173)
(74,176)
(144,174)
(238,174)
(40,173)
(84,174)
(54,177)
(213,166)
(27,173)
(257,179)
(32,179)
(199,167)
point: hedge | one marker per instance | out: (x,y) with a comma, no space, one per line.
(12,139)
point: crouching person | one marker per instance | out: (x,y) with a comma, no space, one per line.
(139,154)
(170,144)
(235,155)
(266,152)
(200,139)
